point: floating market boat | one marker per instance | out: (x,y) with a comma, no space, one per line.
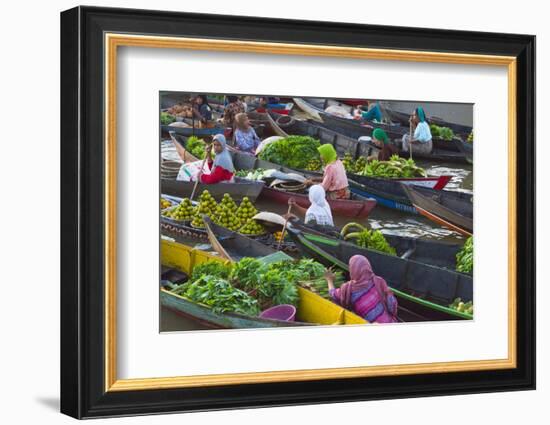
(390,193)
(433,252)
(423,291)
(280,108)
(403,119)
(448,208)
(312,309)
(238,190)
(356,207)
(466,148)
(355,128)
(193,131)
(233,246)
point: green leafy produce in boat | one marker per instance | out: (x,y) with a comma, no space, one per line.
(367,238)
(462,307)
(196,146)
(444,133)
(166,118)
(292,151)
(470,138)
(465,257)
(395,168)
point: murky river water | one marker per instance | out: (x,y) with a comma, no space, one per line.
(385,219)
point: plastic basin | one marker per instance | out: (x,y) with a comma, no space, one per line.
(284,312)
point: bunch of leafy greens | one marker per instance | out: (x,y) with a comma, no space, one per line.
(465,257)
(444,133)
(196,146)
(166,118)
(211,268)
(292,151)
(221,296)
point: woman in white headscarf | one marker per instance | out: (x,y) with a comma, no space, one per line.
(221,167)
(319,211)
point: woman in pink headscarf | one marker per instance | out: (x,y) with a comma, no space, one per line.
(365,294)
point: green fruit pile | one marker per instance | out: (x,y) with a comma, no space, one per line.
(462,307)
(183,212)
(226,218)
(244,214)
(227,201)
(314,165)
(470,137)
(354,166)
(207,206)
(395,168)
(252,227)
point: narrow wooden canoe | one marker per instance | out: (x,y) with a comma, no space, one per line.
(233,246)
(190,131)
(432,252)
(466,148)
(312,309)
(237,190)
(451,209)
(423,291)
(356,207)
(390,193)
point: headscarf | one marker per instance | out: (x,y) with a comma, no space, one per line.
(319,209)
(362,277)
(204,99)
(223,159)
(420,114)
(327,152)
(232,99)
(380,135)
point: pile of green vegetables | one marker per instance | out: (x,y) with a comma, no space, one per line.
(444,133)
(250,285)
(293,151)
(196,146)
(465,257)
(166,118)
(256,174)
(367,238)
(395,168)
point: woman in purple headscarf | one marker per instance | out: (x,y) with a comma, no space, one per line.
(365,294)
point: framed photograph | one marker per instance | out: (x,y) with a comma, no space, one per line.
(319,187)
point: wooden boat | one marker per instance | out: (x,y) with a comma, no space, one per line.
(311,310)
(233,246)
(280,108)
(390,193)
(450,209)
(433,252)
(444,151)
(403,119)
(356,207)
(238,190)
(466,148)
(423,291)
(355,128)
(190,131)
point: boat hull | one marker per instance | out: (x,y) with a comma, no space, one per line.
(312,309)
(237,191)
(451,209)
(355,208)
(424,291)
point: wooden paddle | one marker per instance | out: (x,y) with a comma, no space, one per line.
(284,228)
(410,139)
(200,172)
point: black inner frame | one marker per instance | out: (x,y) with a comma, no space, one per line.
(82,206)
